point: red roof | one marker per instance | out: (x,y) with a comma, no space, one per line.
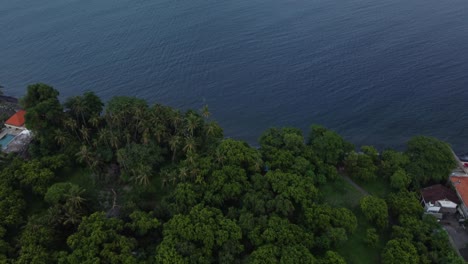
(439,192)
(17,119)
(461,185)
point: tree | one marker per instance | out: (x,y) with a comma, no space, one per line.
(288,254)
(38,93)
(372,238)
(12,206)
(83,108)
(44,114)
(375,209)
(227,184)
(392,161)
(138,162)
(431,160)
(35,175)
(328,145)
(332,257)
(143,223)
(100,239)
(239,153)
(399,251)
(202,236)
(361,166)
(400,180)
(404,203)
(36,242)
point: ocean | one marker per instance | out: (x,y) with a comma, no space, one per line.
(377,72)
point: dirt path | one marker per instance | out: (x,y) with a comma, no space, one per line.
(359,188)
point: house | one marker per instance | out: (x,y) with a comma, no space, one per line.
(460,184)
(16,121)
(439,199)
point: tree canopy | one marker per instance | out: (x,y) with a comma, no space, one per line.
(129,182)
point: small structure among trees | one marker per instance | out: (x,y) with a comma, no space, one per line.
(439,199)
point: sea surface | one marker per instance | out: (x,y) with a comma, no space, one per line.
(378,72)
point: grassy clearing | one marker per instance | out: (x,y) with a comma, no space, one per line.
(379,188)
(341,194)
(355,250)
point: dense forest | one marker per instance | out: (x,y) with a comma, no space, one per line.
(128,182)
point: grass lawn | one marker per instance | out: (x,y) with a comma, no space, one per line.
(379,188)
(342,194)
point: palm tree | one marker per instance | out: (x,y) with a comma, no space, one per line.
(84,131)
(72,217)
(205,112)
(219,157)
(60,137)
(103,135)
(141,175)
(190,145)
(159,131)
(85,155)
(78,107)
(183,173)
(174,144)
(94,120)
(145,136)
(176,120)
(211,128)
(192,123)
(72,125)
(74,197)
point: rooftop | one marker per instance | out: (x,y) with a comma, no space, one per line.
(439,192)
(17,119)
(461,185)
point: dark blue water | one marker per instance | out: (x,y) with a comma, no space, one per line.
(378,72)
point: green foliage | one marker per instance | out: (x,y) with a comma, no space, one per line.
(372,237)
(44,114)
(227,184)
(142,223)
(38,93)
(196,236)
(100,239)
(375,209)
(37,242)
(399,251)
(175,191)
(83,108)
(392,161)
(400,180)
(35,176)
(404,203)
(237,153)
(328,145)
(138,162)
(332,257)
(431,160)
(361,166)
(287,254)
(11,206)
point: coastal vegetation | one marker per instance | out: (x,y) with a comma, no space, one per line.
(128,182)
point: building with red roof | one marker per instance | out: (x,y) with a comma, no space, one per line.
(460,183)
(16,121)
